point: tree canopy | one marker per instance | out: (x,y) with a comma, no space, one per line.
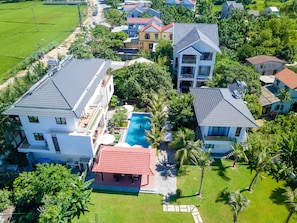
(50,194)
(141,81)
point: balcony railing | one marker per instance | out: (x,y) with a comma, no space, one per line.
(191,61)
(25,146)
(218,138)
(187,75)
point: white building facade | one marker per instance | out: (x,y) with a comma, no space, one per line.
(64,115)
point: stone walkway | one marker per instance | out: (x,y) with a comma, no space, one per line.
(184,208)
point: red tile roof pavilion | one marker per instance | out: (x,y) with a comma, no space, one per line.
(125,160)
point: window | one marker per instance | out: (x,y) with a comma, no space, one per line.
(156,36)
(109,88)
(38,136)
(33,119)
(147,36)
(151,46)
(276,82)
(60,121)
(209,146)
(187,72)
(204,71)
(189,59)
(206,56)
(238,131)
(279,107)
(218,131)
(170,36)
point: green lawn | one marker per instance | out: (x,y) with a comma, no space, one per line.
(265,199)
(21,37)
(130,208)
(265,206)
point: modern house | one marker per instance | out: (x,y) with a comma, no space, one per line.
(149,36)
(63,116)
(189,4)
(194,52)
(222,119)
(272,10)
(266,65)
(229,6)
(271,94)
(135,24)
(136,11)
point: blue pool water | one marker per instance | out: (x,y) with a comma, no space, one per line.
(139,122)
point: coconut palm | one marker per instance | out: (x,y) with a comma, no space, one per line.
(238,203)
(155,135)
(291,202)
(202,159)
(288,152)
(284,96)
(186,154)
(238,153)
(262,160)
(181,138)
(157,109)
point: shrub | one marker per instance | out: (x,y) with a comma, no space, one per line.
(4,199)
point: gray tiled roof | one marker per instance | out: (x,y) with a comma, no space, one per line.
(217,107)
(63,94)
(185,35)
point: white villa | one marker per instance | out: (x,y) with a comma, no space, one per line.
(63,116)
(222,119)
(194,52)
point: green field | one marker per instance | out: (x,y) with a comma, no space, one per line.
(27,27)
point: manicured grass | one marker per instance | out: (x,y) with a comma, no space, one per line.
(130,208)
(21,36)
(265,199)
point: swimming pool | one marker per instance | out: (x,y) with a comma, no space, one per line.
(139,122)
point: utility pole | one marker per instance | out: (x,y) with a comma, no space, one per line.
(36,25)
(79,15)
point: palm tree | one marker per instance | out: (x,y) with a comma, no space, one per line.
(186,154)
(291,202)
(238,153)
(181,137)
(284,96)
(157,109)
(238,203)
(288,153)
(262,160)
(203,160)
(155,135)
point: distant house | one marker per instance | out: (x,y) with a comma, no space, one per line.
(270,98)
(63,116)
(271,10)
(135,24)
(229,6)
(136,11)
(222,119)
(266,65)
(149,36)
(194,52)
(189,4)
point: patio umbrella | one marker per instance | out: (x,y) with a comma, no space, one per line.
(129,108)
(107,139)
(122,144)
(137,146)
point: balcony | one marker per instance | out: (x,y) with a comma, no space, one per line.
(187,75)
(218,138)
(88,121)
(106,80)
(26,147)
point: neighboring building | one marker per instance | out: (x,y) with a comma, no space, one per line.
(149,36)
(142,3)
(136,11)
(266,65)
(194,52)
(270,98)
(189,4)
(64,115)
(135,24)
(255,13)
(271,10)
(229,6)
(222,119)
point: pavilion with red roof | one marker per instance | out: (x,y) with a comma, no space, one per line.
(125,167)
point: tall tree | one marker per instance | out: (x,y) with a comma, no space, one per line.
(291,202)
(238,153)
(262,161)
(50,194)
(155,136)
(202,160)
(238,203)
